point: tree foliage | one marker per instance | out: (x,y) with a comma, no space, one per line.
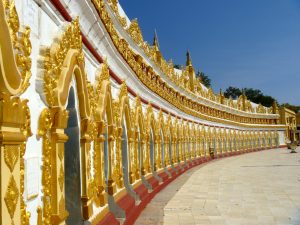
(205,80)
(254,95)
(232,92)
(177,66)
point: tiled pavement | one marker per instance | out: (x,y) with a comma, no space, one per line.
(260,188)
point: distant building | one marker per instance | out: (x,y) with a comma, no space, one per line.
(288,117)
(298,126)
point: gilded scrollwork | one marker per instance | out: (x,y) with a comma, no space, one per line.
(44,126)
(135,32)
(15,51)
(54,81)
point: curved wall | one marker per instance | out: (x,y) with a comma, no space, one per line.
(166,133)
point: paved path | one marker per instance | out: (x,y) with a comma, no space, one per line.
(261,188)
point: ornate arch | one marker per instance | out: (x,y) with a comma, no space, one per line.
(59,64)
(62,61)
(125,115)
(102,112)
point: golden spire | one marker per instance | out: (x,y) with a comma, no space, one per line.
(188,59)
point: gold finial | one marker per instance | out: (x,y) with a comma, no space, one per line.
(155,41)
(188,59)
(243,92)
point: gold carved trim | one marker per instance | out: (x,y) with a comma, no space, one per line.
(11,156)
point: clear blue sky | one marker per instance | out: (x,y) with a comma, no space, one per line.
(242,43)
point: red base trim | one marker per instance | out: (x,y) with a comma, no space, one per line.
(109,219)
(172,171)
(127,203)
(142,192)
(164,176)
(153,182)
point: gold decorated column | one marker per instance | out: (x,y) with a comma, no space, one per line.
(86,181)
(56,156)
(131,157)
(13,120)
(100,198)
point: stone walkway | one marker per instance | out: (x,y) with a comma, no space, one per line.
(261,188)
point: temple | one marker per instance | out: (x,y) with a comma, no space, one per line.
(95,122)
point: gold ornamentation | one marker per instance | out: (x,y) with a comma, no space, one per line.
(15,51)
(61,205)
(61,178)
(54,58)
(123,91)
(11,156)
(103,73)
(44,126)
(11,197)
(154,82)
(135,32)
(60,154)
(260,109)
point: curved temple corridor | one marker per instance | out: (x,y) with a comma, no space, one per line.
(94,123)
(257,188)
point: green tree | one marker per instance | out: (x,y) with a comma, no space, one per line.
(234,92)
(254,95)
(177,66)
(205,80)
(266,100)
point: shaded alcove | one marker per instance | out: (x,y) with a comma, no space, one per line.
(72,164)
(127,159)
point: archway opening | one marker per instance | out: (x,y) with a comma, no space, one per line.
(72,164)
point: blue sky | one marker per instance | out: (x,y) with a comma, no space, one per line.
(242,43)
